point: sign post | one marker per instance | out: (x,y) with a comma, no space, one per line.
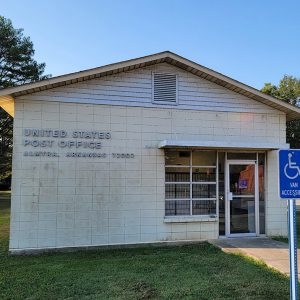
(289,188)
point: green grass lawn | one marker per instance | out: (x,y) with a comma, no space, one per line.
(4,220)
(187,272)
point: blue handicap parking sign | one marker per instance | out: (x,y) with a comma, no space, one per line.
(289,174)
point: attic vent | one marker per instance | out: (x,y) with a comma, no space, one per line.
(164,88)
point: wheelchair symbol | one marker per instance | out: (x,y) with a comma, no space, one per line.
(291,170)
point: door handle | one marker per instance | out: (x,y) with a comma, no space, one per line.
(229,196)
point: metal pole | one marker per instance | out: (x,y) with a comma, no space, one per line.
(293,249)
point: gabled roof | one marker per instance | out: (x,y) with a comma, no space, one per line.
(291,111)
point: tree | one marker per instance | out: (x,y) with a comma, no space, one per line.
(17,66)
(288,90)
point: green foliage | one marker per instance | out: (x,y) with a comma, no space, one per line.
(293,134)
(288,90)
(270,89)
(6,136)
(17,66)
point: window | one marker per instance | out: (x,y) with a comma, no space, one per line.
(164,88)
(190,183)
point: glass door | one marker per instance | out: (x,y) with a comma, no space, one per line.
(242,198)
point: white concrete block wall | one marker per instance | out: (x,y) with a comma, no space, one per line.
(276,209)
(66,202)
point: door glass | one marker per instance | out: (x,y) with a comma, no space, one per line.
(261,189)
(242,205)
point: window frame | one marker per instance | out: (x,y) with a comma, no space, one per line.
(191,183)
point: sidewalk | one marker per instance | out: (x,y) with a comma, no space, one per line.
(275,254)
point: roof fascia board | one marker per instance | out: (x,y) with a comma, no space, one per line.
(82,74)
(234,82)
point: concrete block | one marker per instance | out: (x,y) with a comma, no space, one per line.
(47,207)
(148,237)
(83,240)
(193,235)
(27,243)
(47,243)
(46,216)
(101,239)
(116,239)
(175,236)
(65,220)
(47,234)
(48,224)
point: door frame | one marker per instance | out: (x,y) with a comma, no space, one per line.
(229,162)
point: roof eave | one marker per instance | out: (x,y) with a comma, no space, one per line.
(84,75)
(291,111)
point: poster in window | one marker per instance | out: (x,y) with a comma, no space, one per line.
(243,183)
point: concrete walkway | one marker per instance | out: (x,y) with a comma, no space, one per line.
(275,254)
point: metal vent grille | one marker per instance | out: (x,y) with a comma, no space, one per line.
(164,88)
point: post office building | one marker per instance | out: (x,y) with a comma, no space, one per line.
(150,150)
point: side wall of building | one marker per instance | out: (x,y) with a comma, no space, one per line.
(84,201)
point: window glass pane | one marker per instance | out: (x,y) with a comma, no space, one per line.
(242,215)
(204,158)
(204,191)
(177,174)
(204,174)
(241,155)
(204,207)
(177,207)
(242,179)
(261,181)
(177,191)
(177,158)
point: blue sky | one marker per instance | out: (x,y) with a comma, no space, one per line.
(254,41)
